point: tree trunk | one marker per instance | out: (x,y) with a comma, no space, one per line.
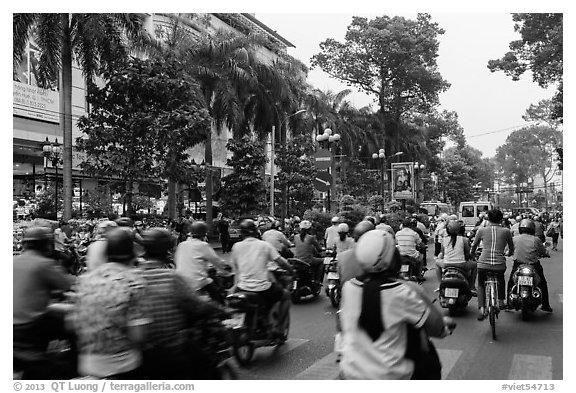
(208,160)
(171,199)
(66,116)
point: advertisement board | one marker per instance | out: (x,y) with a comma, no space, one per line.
(35,103)
(403,180)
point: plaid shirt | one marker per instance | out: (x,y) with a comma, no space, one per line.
(494,238)
(168,302)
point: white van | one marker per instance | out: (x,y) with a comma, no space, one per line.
(469,212)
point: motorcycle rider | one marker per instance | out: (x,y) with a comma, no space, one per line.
(331,233)
(249,259)
(193,258)
(96,253)
(539,229)
(348,266)
(307,247)
(515,226)
(456,252)
(439,233)
(494,238)
(409,242)
(344,242)
(376,312)
(171,305)
(35,277)
(278,240)
(383,225)
(527,249)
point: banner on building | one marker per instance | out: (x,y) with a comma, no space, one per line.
(403,180)
(35,103)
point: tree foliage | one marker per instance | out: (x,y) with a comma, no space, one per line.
(142,122)
(540,50)
(243,191)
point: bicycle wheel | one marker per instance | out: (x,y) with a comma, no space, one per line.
(492,310)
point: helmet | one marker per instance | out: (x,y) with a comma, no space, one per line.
(138,224)
(444,216)
(157,242)
(125,222)
(198,229)
(248,227)
(335,219)
(119,246)
(275,224)
(375,251)
(452,217)
(296,219)
(371,219)
(536,218)
(343,228)
(527,226)
(305,224)
(37,233)
(453,227)
(361,228)
(105,226)
(407,223)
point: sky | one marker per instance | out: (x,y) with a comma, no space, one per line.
(489,105)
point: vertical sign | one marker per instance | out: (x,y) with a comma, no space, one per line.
(403,180)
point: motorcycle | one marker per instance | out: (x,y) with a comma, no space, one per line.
(253,324)
(304,284)
(407,270)
(333,286)
(223,280)
(454,293)
(525,294)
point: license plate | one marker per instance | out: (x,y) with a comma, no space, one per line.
(327,260)
(333,276)
(404,268)
(294,284)
(236,321)
(523,280)
(451,292)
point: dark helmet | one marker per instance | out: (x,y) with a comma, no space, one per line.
(198,229)
(38,233)
(370,219)
(407,223)
(361,228)
(527,226)
(248,228)
(125,222)
(119,245)
(157,242)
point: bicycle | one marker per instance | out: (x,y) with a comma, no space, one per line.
(492,307)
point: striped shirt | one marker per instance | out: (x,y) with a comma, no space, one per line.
(494,238)
(407,240)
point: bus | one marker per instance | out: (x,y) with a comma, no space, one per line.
(434,209)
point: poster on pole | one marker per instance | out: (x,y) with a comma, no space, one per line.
(403,180)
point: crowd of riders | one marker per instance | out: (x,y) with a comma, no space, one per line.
(146,284)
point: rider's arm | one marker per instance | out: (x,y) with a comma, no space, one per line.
(467,254)
(434,323)
(510,243)
(211,256)
(477,240)
(542,251)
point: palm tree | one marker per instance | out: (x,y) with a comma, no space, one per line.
(94,41)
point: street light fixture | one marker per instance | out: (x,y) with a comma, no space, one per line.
(52,151)
(330,138)
(418,168)
(381,155)
(272,157)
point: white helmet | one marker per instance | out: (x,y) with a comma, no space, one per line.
(452,217)
(343,228)
(335,219)
(375,251)
(444,216)
(305,224)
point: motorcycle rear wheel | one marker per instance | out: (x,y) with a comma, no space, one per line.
(243,349)
(295,296)
(525,311)
(335,295)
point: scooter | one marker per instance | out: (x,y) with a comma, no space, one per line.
(304,284)
(454,293)
(525,294)
(333,285)
(407,270)
(253,324)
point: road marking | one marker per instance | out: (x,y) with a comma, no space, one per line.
(325,368)
(531,367)
(448,359)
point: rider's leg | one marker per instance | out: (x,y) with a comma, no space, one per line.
(481,292)
(472,273)
(511,278)
(439,267)
(543,285)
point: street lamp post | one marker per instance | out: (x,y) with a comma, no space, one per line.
(418,168)
(381,155)
(272,157)
(330,139)
(52,152)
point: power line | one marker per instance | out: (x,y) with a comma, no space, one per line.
(496,131)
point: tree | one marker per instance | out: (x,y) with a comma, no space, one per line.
(295,176)
(243,192)
(530,152)
(90,40)
(539,50)
(543,114)
(142,122)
